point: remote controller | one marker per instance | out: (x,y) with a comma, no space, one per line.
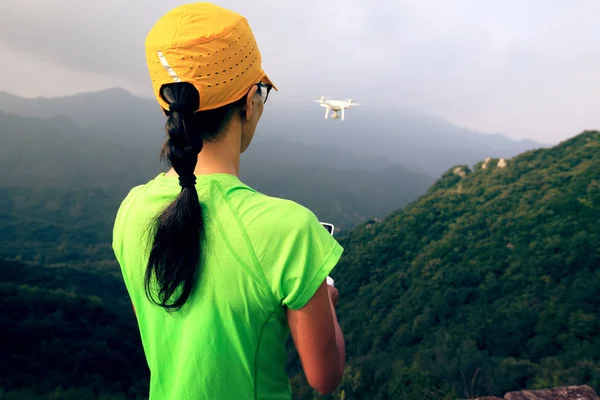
(330,228)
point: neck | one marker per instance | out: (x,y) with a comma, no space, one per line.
(221,156)
(217,158)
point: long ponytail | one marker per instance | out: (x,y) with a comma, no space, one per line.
(177,232)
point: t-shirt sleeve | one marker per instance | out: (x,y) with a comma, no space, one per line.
(297,255)
(119,221)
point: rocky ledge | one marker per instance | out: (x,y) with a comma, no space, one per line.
(560,393)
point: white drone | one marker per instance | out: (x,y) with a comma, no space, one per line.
(335,106)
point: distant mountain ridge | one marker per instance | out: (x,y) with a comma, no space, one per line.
(421,143)
(89,110)
(56,152)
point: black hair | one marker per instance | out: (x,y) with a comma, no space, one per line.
(177,232)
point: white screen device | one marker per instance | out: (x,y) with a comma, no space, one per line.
(330,228)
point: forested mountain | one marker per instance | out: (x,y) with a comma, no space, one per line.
(68,334)
(57,226)
(486,284)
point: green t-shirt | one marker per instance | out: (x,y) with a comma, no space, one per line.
(260,254)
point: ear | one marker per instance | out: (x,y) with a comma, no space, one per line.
(249,106)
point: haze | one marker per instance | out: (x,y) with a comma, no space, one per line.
(523,69)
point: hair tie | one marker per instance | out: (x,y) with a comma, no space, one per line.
(179,107)
(187,180)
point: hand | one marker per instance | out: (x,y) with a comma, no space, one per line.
(334,295)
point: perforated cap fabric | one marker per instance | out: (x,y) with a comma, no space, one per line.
(209,46)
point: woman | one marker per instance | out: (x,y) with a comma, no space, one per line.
(218,273)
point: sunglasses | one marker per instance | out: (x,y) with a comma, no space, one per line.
(264,90)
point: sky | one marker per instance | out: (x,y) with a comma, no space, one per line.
(523,68)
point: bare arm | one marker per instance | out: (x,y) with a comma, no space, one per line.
(319,340)
(339,335)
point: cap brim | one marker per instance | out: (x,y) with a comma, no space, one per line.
(269,81)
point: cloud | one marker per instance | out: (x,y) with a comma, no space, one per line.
(521,68)
(101,38)
(30,75)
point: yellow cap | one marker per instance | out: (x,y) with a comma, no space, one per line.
(208,46)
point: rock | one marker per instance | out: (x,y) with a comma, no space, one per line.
(459,171)
(583,392)
(484,166)
(561,393)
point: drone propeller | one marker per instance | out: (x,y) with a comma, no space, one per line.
(323,98)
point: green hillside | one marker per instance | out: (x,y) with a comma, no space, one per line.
(67,334)
(57,226)
(43,153)
(488,283)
